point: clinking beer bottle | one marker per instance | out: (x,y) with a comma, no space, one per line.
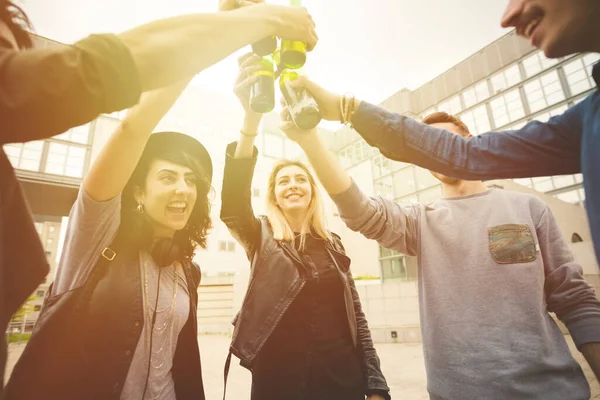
(293,52)
(265,46)
(262,92)
(303,108)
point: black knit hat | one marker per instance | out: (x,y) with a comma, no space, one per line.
(162,142)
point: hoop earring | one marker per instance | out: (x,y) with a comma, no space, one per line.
(140,208)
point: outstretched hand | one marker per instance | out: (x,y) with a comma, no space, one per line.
(288,126)
(248,65)
(329,102)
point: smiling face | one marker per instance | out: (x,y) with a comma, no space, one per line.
(557,27)
(293,191)
(169,196)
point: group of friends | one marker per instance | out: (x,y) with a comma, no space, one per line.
(120,319)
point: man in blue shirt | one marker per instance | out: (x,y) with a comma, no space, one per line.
(566,144)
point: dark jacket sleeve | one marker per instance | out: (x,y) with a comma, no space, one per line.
(46,91)
(376,383)
(236,200)
(537,149)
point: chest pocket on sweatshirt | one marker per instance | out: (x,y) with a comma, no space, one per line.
(512,243)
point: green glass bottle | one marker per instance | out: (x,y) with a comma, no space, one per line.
(303,108)
(293,52)
(262,91)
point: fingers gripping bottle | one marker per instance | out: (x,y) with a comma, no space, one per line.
(303,108)
(293,52)
(262,91)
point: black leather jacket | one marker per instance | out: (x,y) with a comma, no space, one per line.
(274,271)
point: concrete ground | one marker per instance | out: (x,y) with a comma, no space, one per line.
(402,364)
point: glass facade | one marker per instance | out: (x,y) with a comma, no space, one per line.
(64,155)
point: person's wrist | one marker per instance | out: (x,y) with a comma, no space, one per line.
(251,122)
(338,108)
(308,139)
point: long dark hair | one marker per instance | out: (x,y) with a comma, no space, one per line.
(136,231)
(18,23)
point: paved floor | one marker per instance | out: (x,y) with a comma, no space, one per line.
(402,364)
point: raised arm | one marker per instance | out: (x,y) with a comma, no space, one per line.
(537,149)
(240,160)
(112,169)
(44,92)
(393,226)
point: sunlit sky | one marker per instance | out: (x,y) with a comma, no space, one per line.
(372,48)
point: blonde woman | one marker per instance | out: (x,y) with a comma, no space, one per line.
(301,329)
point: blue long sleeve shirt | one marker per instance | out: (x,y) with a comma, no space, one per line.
(567,144)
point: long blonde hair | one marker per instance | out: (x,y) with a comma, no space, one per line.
(315,220)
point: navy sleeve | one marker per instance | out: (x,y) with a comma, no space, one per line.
(537,149)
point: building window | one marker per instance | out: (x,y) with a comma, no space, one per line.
(393,264)
(451,106)
(25,156)
(543,184)
(544,91)
(476,94)
(578,77)
(384,187)
(79,134)
(226,246)
(505,79)
(563,181)
(523,182)
(381,166)
(428,112)
(344,160)
(507,108)
(476,120)
(545,116)
(404,182)
(536,63)
(572,196)
(67,160)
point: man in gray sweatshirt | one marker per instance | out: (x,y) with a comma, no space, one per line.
(492,265)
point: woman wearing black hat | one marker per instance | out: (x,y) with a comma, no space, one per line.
(126,277)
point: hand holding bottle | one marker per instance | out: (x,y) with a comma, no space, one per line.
(248,65)
(292,131)
(293,23)
(329,102)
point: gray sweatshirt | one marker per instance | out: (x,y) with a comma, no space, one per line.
(491,268)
